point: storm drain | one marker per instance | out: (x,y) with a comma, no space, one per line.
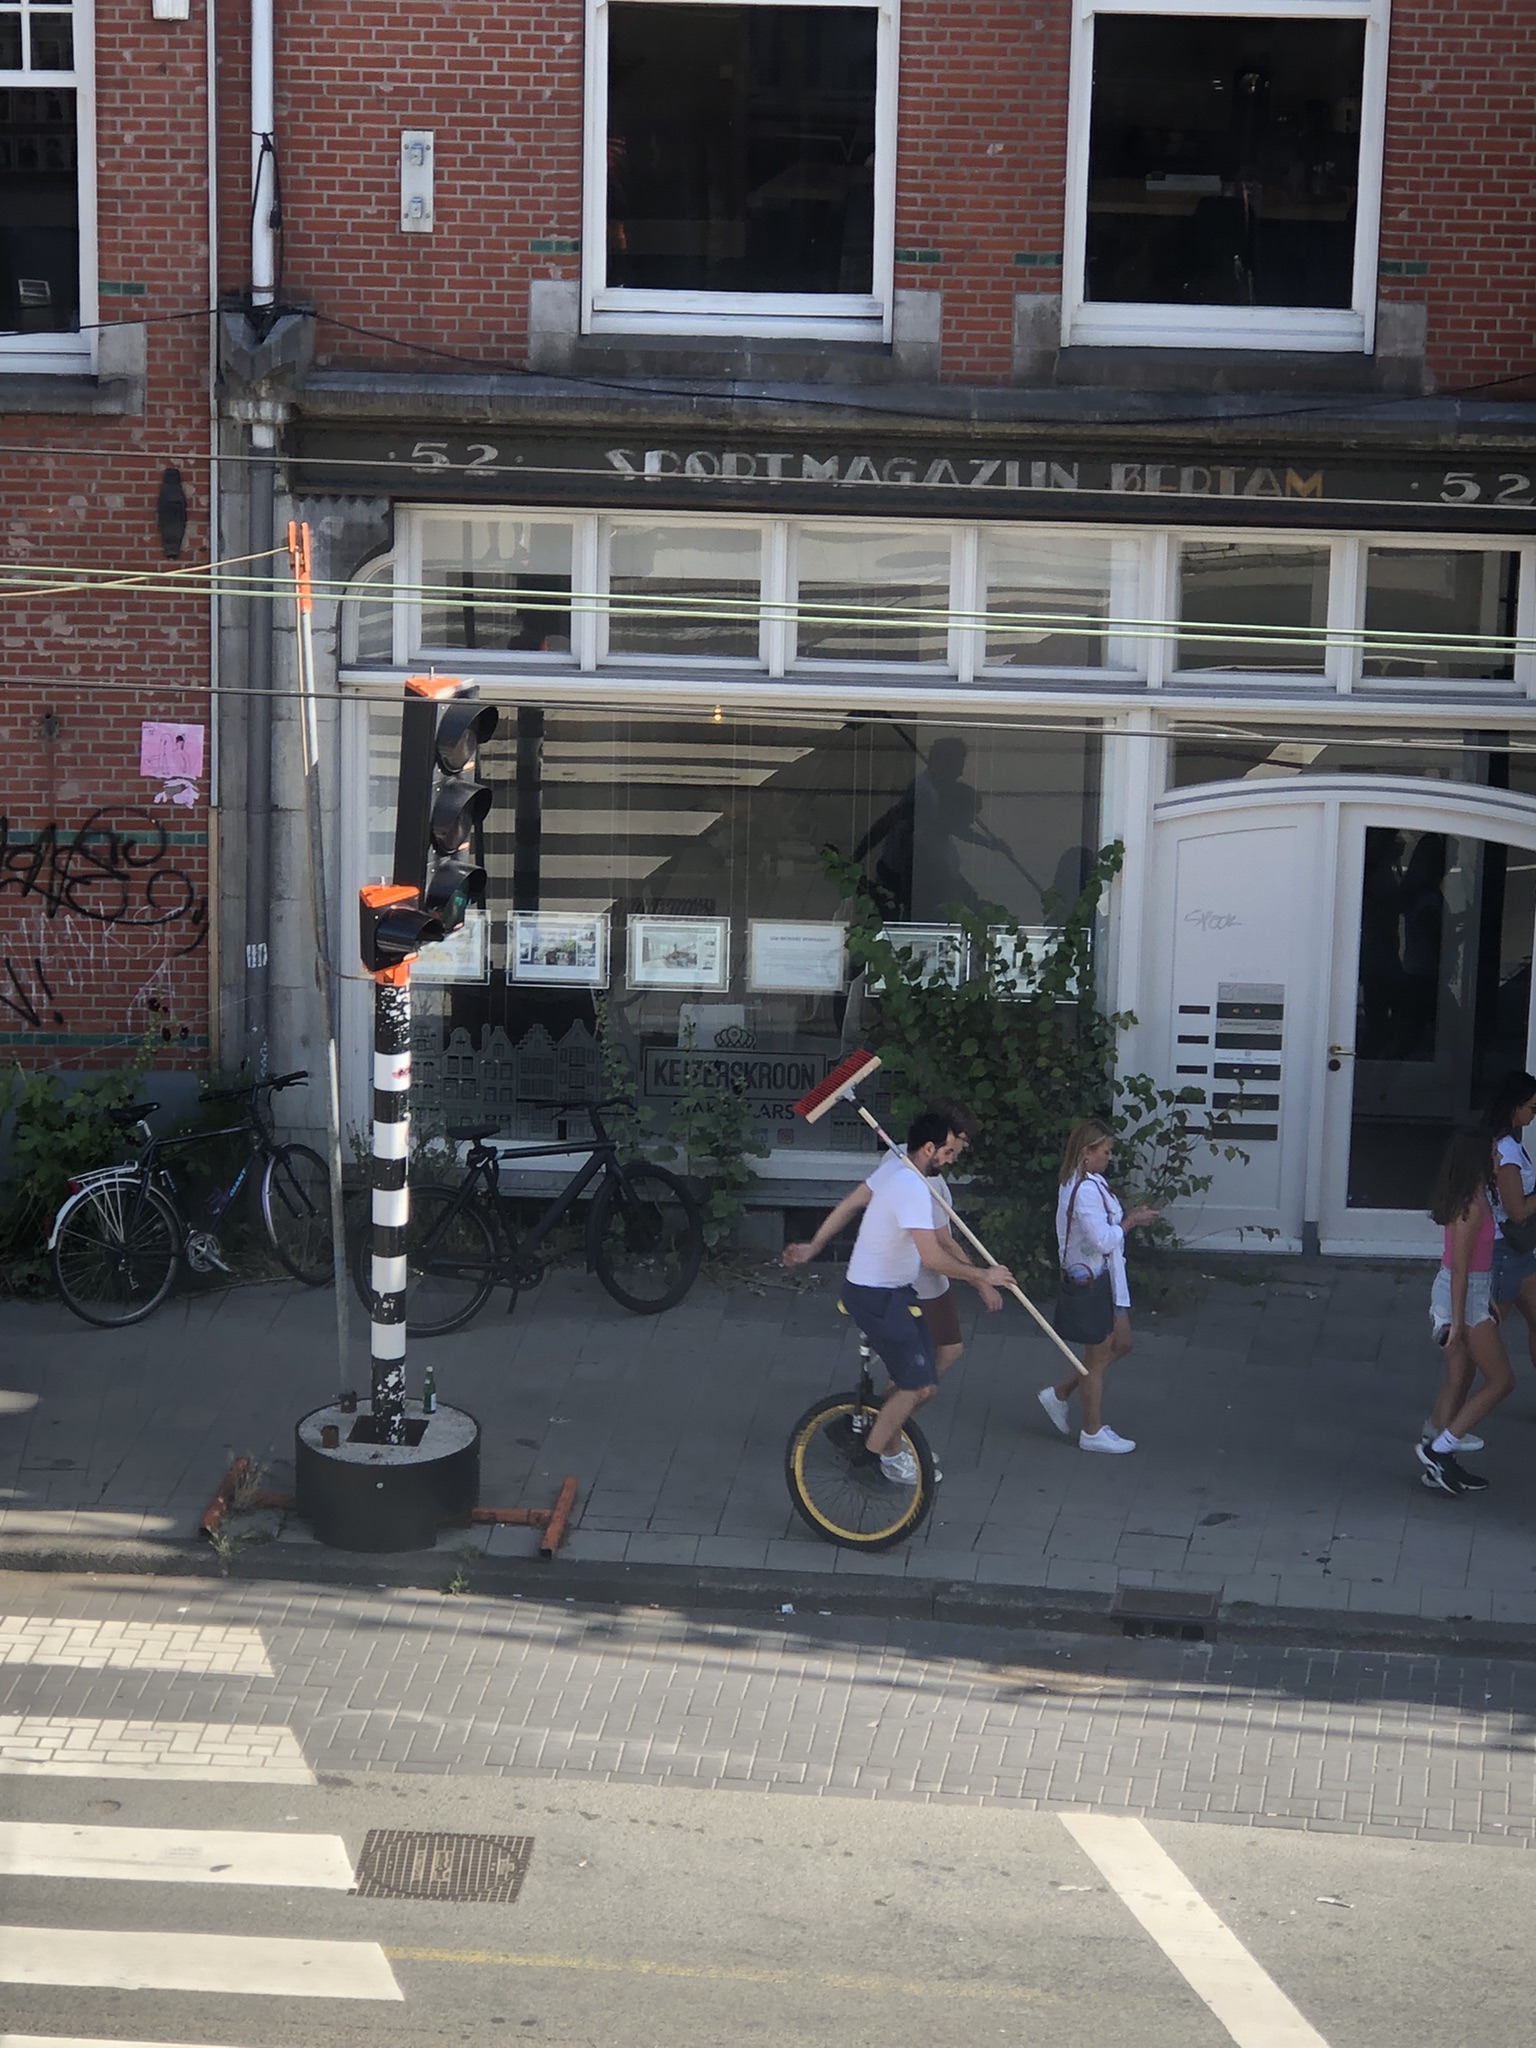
(1150,1611)
(405,1863)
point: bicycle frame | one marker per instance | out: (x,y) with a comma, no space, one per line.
(602,1158)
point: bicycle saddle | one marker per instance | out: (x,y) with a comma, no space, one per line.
(472,1133)
(131,1112)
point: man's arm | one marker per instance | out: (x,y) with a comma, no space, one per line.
(834,1221)
(946,1259)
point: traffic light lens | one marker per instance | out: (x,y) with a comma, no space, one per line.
(457,808)
(462,729)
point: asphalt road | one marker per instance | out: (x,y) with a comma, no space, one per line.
(192,1746)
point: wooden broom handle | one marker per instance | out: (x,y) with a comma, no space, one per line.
(976,1245)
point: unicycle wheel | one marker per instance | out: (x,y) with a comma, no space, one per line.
(840,1489)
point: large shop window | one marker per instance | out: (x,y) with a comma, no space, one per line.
(47,253)
(1225,173)
(667,873)
(740,168)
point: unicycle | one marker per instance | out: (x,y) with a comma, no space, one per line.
(838,1486)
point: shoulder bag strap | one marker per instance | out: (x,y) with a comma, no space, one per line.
(1066,1235)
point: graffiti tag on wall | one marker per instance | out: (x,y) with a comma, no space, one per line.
(105,908)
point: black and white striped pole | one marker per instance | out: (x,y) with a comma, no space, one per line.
(391,1196)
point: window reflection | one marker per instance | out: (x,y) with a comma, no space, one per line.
(864,595)
(1424,595)
(499,585)
(1048,599)
(1224,160)
(1253,590)
(685,590)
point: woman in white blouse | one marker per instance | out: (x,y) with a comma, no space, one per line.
(1090,1236)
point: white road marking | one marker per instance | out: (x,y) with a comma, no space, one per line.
(234,1963)
(173,1855)
(1242,1995)
(77,2041)
(222,1752)
(193,1651)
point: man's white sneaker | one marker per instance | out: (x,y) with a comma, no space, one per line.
(1057,1409)
(900,1468)
(1105,1440)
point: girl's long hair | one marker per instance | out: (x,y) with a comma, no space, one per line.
(1465,1171)
(1507,1096)
(1084,1135)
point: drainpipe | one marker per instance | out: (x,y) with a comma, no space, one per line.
(261,536)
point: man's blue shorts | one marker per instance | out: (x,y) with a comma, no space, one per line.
(893,1321)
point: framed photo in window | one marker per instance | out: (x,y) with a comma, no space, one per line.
(464,958)
(560,949)
(795,959)
(680,952)
(939,950)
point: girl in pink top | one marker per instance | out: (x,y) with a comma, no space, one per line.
(1464,1319)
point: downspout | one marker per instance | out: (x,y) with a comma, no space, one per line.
(215,511)
(261,537)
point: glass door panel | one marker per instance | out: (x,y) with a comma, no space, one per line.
(1442,1001)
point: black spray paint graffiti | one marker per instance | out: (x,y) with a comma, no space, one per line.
(115,877)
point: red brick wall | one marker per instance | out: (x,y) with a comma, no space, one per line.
(980,179)
(106,937)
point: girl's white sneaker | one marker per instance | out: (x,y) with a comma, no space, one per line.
(1056,1408)
(1105,1440)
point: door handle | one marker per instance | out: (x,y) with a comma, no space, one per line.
(1337,1054)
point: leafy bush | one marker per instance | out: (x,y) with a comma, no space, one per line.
(59,1128)
(1024,1044)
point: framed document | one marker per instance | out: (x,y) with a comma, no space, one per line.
(795,959)
(938,950)
(561,949)
(463,957)
(1019,956)
(680,952)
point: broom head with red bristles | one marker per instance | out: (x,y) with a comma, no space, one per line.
(840,1083)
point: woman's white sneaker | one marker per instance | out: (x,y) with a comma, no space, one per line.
(1105,1440)
(1056,1408)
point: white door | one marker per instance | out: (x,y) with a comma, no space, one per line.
(1233,1000)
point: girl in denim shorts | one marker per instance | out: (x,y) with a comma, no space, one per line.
(1463,1317)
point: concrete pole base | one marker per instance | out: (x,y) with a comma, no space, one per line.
(357,1494)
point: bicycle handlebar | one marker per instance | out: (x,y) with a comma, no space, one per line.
(253,1088)
(561,1108)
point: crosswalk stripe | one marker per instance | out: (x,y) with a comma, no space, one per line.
(78,2041)
(226,1752)
(1239,1991)
(173,1855)
(192,1650)
(133,1960)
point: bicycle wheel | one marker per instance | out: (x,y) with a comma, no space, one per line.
(645,1241)
(840,1489)
(296,1208)
(450,1263)
(115,1255)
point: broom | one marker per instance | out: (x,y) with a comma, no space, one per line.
(838,1087)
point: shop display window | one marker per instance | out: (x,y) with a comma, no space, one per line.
(1441,612)
(1260,609)
(501,586)
(666,873)
(873,594)
(690,590)
(1051,597)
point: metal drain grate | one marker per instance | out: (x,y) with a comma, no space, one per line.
(405,1863)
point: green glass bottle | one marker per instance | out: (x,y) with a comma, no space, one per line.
(429,1393)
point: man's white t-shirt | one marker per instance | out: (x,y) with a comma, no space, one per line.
(884,1255)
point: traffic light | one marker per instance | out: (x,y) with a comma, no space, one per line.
(394,926)
(441,804)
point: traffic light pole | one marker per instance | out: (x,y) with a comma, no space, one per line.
(391,1195)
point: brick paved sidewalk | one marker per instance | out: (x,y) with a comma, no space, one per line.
(1275,1425)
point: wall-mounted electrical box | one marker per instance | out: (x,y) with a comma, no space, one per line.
(416,181)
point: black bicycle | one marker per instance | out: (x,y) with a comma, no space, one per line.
(644,1233)
(120,1238)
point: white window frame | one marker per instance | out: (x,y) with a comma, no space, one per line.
(1089,323)
(799,316)
(65,355)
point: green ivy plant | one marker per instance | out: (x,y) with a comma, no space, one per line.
(58,1128)
(1024,1043)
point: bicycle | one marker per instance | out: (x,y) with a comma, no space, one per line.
(119,1240)
(836,1481)
(644,1232)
